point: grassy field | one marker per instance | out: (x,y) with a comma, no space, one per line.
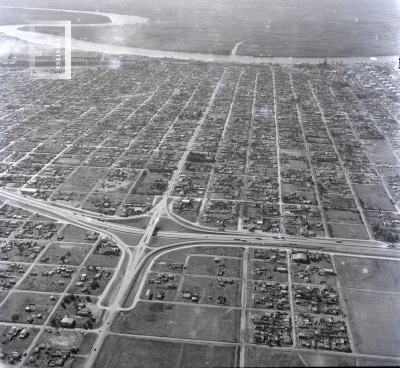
(140,222)
(125,352)
(16,303)
(374,197)
(129,239)
(3,294)
(263,357)
(339,201)
(328,360)
(166,224)
(370,362)
(343,216)
(74,253)
(368,273)
(102,260)
(375,320)
(198,265)
(84,179)
(181,321)
(348,231)
(73,233)
(158,241)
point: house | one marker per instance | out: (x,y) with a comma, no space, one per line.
(300,257)
(68,322)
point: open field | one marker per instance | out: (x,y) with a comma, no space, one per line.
(103,260)
(77,234)
(370,362)
(375,321)
(3,294)
(126,352)
(264,357)
(368,273)
(374,197)
(16,303)
(343,216)
(318,359)
(47,278)
(129,239)
(207,266)
(158,241)
(67,253)
(181,321)
(84,179)
(166,224)
(348,231)
(140,222)
(339,201)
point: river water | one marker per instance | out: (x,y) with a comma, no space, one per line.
(118,19)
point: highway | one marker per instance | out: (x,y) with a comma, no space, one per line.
(134,258)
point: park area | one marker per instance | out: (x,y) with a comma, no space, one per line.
(180,321)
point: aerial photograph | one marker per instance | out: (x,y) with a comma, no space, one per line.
(199,183)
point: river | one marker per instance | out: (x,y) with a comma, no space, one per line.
(118,19)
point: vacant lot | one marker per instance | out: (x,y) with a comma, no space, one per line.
(3,294)
(181,321)
(374,197)
(77,234)
(84,179)
(368,273)
(72,160)
(125,352)
(344,216)
(103,260)
(371,362)
(375,321)
(210,289)
(328,360)
(227,267)
(16,303)
(339,201)
(67,253)
(262,357)
(158,241)
(347,231)
(140,222)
